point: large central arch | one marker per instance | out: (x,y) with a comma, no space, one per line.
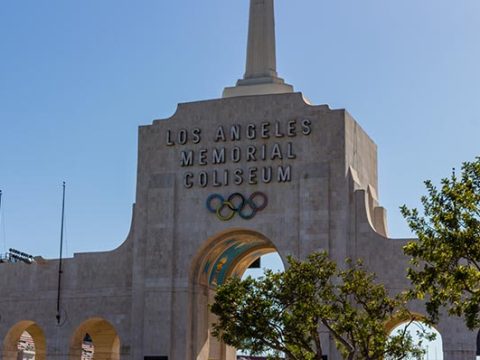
(226,254)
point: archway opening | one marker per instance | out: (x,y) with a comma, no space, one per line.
(229,254)
(95,339)
(24,341)
(256,270)
(433,348)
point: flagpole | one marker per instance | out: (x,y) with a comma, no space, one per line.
(60,270)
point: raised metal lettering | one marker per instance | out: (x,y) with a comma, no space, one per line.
(238,173)
(265,130)
(215,179)
(252,175)
(290,154)
(251,132)
(292,128)
(226,177)
(196,135)
(284,174)
(218,156)
(236,154)
(278,132)
(267,174)
(306,127)
(187,158)
(203,179)
(182,137)
(220,134)
(187,180)
(264,152)
(251,150)
(235,133)
(169,138)
(276,152)
(202,157)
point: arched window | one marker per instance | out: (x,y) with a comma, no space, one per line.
(433,348)
(24,341)
(96,339)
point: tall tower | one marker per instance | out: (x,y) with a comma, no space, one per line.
(261,68)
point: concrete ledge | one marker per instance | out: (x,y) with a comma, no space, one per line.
(258,89)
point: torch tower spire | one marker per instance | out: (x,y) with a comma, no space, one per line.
(261,68)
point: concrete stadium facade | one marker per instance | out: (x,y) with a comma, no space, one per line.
(219,184)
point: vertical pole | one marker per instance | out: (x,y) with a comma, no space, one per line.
(60,271)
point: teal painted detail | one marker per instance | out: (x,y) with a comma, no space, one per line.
(224,262)
(207,267)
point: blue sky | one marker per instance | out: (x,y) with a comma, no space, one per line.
(78,77)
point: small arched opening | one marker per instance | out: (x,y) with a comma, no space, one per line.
(433,348)
(25,341)
(95,339)
(229,254)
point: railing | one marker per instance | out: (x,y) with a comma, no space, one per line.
(5,258)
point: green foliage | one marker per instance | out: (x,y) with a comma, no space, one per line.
(285,312)
(446,257)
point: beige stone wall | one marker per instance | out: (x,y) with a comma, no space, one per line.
(93,285)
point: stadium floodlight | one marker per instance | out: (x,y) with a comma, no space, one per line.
(20,256)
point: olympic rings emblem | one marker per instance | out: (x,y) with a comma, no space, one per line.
(246,208)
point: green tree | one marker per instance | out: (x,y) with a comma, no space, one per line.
(446,258)
(284,312)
